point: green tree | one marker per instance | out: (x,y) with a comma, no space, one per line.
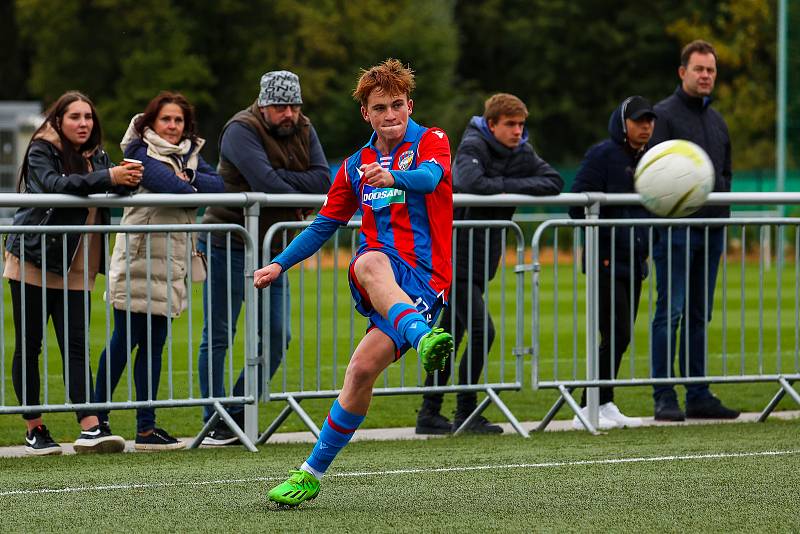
(571,62)
(743,34)
(14,64)
(120,52)
(326,43)
(793,86)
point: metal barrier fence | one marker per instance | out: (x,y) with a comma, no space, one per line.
(152,242)
(334,309)
(572,367)
(316,373)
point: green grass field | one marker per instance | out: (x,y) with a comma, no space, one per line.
(723,478)
(336,337)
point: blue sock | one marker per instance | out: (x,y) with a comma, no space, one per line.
(336,432)
(408,322)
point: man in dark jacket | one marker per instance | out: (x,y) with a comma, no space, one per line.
(270,147)
(687,114)
(608,167)
(494,157)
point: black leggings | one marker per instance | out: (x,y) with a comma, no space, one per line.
(77,374)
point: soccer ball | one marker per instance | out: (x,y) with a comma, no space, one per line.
(674,178)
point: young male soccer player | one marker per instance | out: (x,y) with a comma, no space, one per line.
(400,182)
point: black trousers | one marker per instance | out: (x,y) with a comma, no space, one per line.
(77,385)
(621,325)
(481,328)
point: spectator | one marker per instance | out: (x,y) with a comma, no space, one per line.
(687,114)
(608,167)
(270,147)
(153,288)
(495,156)
(65,155)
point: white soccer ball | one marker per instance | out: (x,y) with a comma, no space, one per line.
(674,178)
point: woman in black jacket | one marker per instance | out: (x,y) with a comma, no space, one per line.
(64,156)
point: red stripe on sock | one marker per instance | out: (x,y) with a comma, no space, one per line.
(339,429)
(401,315)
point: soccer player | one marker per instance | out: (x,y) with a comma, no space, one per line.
(400,182)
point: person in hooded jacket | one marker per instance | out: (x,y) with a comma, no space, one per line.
(152,286)
(65,155)
(608,167)
(495,156)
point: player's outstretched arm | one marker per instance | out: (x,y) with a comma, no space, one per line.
(304,245)
(266,275)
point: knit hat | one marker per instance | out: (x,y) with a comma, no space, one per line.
(280,87)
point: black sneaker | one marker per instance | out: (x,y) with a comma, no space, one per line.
(221,436)
(432,422)
(709,408)
(105,427)
(98,439)
(667,409)
(479,425)
(38,442)
(157,440)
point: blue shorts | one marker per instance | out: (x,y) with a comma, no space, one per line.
(428,303)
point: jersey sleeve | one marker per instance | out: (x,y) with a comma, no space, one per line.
(434,147)
(341,202)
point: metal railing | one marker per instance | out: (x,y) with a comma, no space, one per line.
(316,372)
(556,368)
(334,313)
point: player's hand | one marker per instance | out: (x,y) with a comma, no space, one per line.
(266,275)
(377,176)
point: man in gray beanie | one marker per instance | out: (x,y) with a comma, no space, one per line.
(270,147)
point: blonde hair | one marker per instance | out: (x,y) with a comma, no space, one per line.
(390,76)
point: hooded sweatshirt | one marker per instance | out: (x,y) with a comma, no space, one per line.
(484,166)
(608,167)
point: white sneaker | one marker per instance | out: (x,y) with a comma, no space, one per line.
(610,411)
(603,423)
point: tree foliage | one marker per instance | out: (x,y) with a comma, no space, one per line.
(571,62)
(743,34)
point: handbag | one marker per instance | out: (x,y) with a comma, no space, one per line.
(199,266)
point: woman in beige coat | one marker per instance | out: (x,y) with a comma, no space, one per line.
(146,281)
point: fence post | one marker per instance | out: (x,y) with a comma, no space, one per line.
(592,312)
(252,357)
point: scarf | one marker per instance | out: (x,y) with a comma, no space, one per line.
(162,150)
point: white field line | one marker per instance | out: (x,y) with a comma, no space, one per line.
(607,461)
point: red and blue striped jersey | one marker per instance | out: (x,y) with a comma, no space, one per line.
(412,226)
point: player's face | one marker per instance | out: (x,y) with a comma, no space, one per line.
(639,130)
(508,129)
(699,75)
(388,116)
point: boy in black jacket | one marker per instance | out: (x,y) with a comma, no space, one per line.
(495,156)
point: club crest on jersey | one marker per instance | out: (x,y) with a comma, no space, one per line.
(405,160)
(380,197)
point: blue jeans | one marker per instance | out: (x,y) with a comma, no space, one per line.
(217,285)
(689,284)
(117,359)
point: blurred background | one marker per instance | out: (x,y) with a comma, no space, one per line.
(571,62)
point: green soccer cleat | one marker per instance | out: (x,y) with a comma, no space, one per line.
(298,488)
(434,348)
